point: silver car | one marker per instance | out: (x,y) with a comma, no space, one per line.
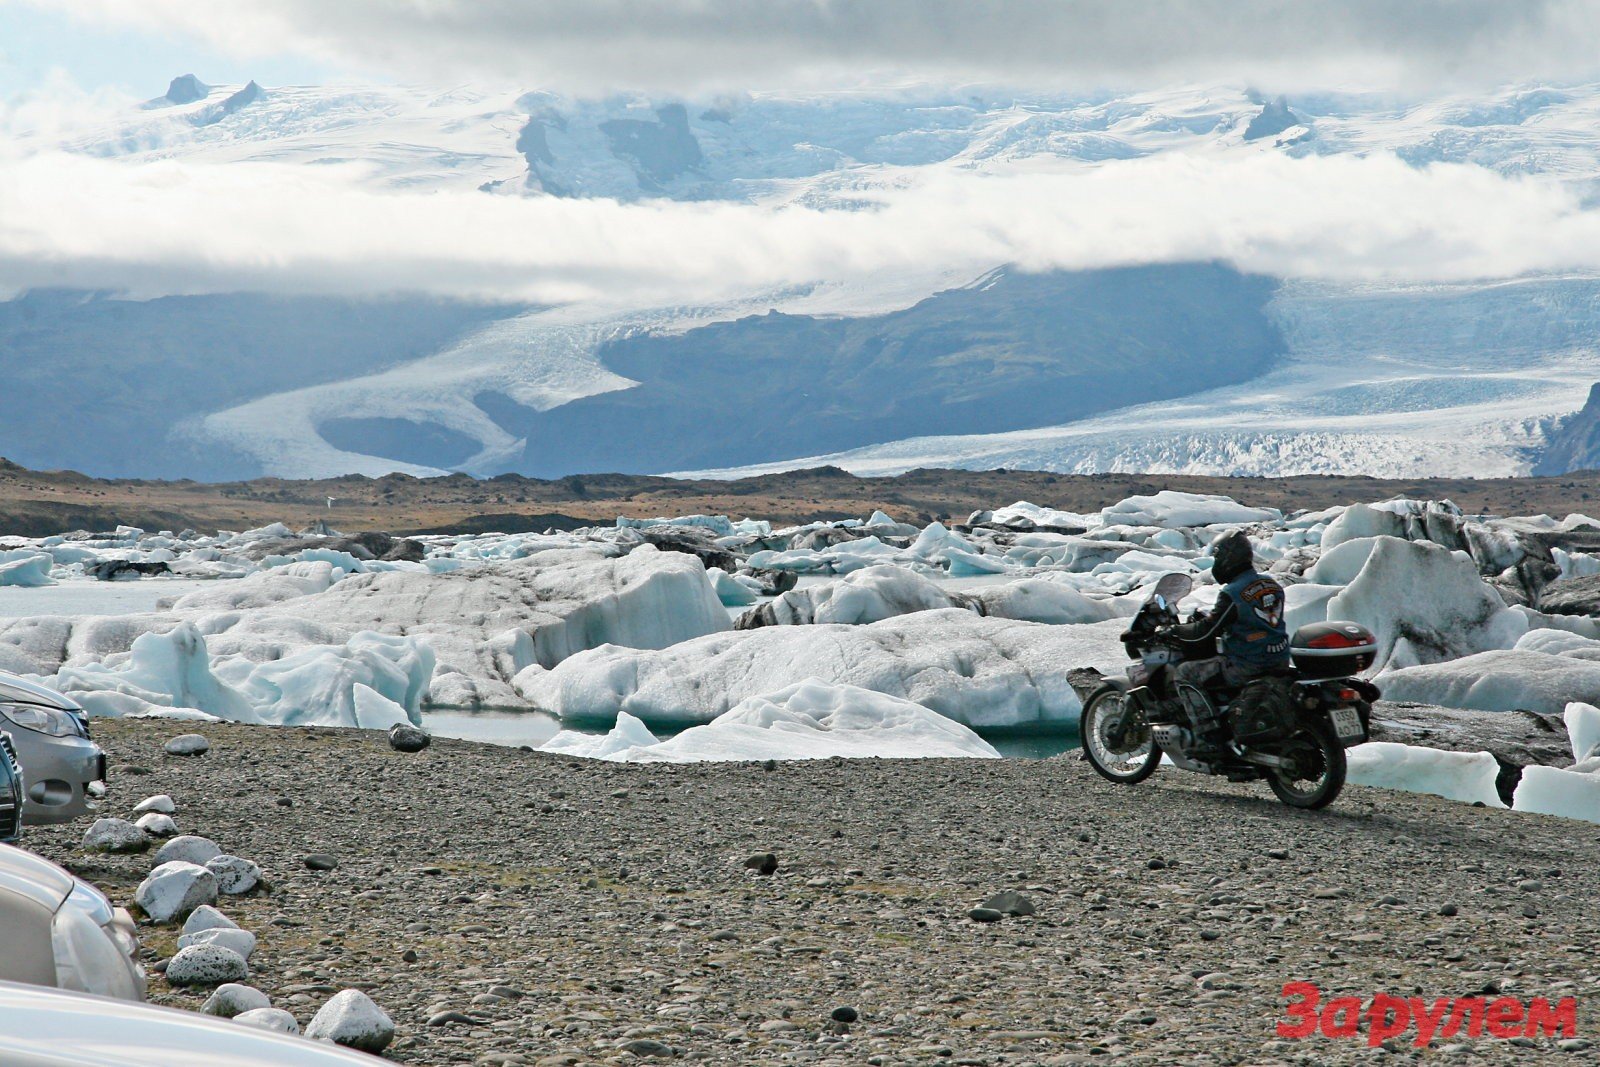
(61,931)
(50,735)
(48,1028)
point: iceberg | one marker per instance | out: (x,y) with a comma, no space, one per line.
(1554,791)
(1171,509)
(26,568)
(978,671)
(1501,680)
(1465,776)
(1426,604)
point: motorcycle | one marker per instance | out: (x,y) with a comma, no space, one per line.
(1289,729)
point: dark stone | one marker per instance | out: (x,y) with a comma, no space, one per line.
(774,583)
(320,861)
(762,863)
(693,540)
(985,915)
(404,737)
(186,89)
(1571,596)
(1516,739)
(121,570)
(1009,903)
(844,1014)
(406,551)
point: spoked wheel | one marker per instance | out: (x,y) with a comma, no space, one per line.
(1116,738)
(1314,770)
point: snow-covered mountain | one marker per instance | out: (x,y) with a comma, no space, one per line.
(929,368)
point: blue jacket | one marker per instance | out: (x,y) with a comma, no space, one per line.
(1248,623)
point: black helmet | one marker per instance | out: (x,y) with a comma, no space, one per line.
(1231,556)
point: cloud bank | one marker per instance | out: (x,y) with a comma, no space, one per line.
(172,228)
(682,45)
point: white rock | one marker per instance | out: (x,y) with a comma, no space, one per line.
(160,803)
(1465,776)
(231,999)
(189,848)
(241,941)
(114,835)
(155,824)
(234,875)
(275,1019)
(206,965)
(351,1018)
(173,890)
(207,917)
(189,744)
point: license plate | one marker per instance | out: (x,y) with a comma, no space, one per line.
(1347,723)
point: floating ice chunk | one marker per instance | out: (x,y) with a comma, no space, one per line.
(864,596)
(732,592)
(1361,521)
(975,670)
(814,720)
(169,670)
(1039,600)
(628,736)
(1465,776)
(717,524)
(25,567)
(272,532)
(340,560)
(1583,727)
(1554,791)
(1502,680)
(1425,604)
(1170,508)
(1340,564)
(1307,603)
(1033,514)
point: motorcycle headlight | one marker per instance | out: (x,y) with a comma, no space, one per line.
(52,721)
(93,953)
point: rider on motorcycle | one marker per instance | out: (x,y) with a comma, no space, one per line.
(1247,622)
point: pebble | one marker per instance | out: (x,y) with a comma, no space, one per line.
(404,737)
(762,863)
(235,876)
(161,804)
(986,915)
(844,1014)
(320,861)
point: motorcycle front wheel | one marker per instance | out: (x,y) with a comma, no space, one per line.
(1315,767)
(1116,738)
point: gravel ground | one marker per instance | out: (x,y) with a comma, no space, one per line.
(576,912)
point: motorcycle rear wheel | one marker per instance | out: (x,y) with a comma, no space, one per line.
(1319,768)
(1116,738)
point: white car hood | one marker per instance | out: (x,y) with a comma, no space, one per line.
(49,1028)
(26,875)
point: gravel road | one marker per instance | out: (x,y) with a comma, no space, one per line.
(517,907)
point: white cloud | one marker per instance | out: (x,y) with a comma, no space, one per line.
(172,227)
(590,45)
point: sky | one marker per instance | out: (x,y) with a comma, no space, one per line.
(156,226)
(685,45)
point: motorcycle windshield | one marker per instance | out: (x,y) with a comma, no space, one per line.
(1172,588)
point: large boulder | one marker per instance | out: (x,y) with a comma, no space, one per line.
(350,1018)
(115,835)
(173,890)
(1571,596)
(206,965)
(189,848)
(232,999)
